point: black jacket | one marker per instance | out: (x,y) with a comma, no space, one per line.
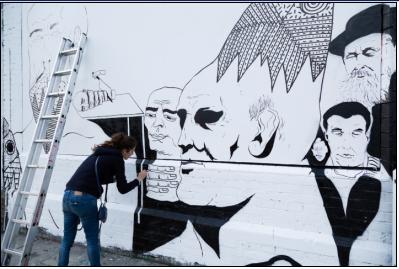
(111,168)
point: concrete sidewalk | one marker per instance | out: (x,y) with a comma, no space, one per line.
(45,253)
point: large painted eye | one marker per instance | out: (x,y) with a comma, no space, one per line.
(205,116)
(182,113)
(10,147)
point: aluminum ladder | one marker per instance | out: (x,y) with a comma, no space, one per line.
(53,113)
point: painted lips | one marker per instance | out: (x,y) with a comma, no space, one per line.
(158,136)
(188,166)
(186,171)
(191,162)
(346,156)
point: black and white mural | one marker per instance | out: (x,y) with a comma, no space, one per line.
(268,129)
(87,99)
(11,163)
(351,197)
(163,126)
(11,167)
(372,81)
(269,49)
(46,25)
(357,130)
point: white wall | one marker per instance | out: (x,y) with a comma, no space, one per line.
(144,47)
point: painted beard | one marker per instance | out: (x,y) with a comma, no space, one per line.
(36,95)
(37,92)
(364,85)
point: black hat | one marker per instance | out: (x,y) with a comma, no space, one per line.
(375,19)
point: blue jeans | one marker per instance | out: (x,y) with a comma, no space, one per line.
(83,208)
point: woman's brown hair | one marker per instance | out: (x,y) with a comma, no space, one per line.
(119,141)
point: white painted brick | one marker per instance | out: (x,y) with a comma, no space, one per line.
(290,219)
(375,253)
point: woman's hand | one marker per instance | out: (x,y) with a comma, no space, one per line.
(142,175)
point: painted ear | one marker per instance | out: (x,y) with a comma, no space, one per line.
(368,135)
(326,136)
(324,130)
(263,142)
(368,131)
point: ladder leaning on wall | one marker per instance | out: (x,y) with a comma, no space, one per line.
(53,112)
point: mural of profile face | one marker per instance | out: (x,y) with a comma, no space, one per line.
(162,122)
(348,140)
(241,121)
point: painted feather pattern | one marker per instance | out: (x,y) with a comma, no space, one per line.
(283,35)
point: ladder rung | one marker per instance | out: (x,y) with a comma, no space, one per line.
(29,193)
(36,166)
(24,194)
(63,73)
(68,52)
(55,94)
(47,117)
(12,252)
(21,221)
(43,141)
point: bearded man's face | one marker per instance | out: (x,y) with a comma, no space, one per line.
(367,61)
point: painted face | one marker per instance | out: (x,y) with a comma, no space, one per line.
(369,61)
(44,32)
(239,122)
(319,149)
(363,56)
(347,140)
(47,23)
(163,125)
(11,162)
(162,122)
(215,128)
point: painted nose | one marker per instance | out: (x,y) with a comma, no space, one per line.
(346,143)
(185,148)
(158,121)
(185,143)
